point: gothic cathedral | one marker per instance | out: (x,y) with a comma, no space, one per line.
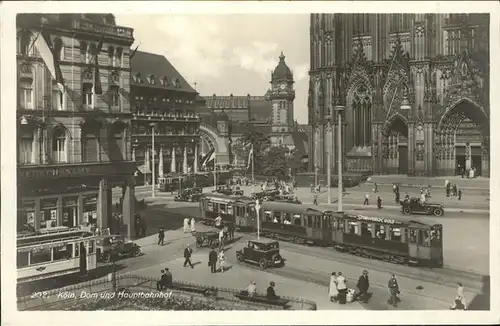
(414,89)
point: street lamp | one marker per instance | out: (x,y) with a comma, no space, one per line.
(316,168)
(339,110)
(152,125)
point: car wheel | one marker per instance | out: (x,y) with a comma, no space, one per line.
(406,211)
(263,263)
(137,252)
(438,212)
(106,257)
(239,256)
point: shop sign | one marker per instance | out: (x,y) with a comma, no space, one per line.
(57,172)
(101,169)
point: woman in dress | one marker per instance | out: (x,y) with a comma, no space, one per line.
(333,292)
(192,225)
(222,260)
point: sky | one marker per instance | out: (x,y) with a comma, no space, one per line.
(226,54)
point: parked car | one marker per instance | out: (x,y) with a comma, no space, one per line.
(190,194)
(265,253)
(415,206)
(113,247)
(228,191)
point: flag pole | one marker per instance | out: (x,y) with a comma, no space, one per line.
(215,171)
(253,172)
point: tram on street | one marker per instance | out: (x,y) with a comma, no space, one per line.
(404,240)
(53,253)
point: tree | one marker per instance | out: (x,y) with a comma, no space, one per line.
(276,162)
(260,141)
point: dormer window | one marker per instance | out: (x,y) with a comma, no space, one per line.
(138,79)
(164,81)
(177,83)
(151,79)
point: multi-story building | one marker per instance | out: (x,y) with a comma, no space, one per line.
(414,89)
(163,103)
(73,120)
(272,113)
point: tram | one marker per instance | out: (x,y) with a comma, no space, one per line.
(405,240)
(63,251)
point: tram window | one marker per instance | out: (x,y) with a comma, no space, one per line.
(63,252)
(366,230)
(405,232)
(22,259)
(288,219)
(424,238)
(41,256)
(327,222)
(395,234)
(210,207)
(413,236)
(342,225)
(229,210)
(379,231)
(309,221)
(297,220)
(335,224)
(277,218)
(435,237)
(317,222)
(91,246)
(353,228)
(267,216)
(222,208)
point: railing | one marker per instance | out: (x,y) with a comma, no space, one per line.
(167,115)
(222,298)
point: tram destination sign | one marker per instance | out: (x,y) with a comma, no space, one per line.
(61,171)
(377,219)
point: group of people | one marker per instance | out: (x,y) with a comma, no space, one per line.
(217,258)
(467,173)
(339,291)
(366,201)
(251,290)
(452,190)
(189,225)
(165,281)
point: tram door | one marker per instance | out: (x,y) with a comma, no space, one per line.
(83,259)
(327,229)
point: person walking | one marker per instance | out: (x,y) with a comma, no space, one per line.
(187,256)
(193,224)
(379,202)
(315,198)
(218,222)
(342,288)
(375,188)
(186,224)
(459,194)
(459,303)
(333,292)
(366,202)
(397,197)
(161,236)
(394,291)
(363,286)
(222,260)
(212,260)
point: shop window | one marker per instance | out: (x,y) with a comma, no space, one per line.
(64,252)
(90,147)
(48,213)
(88,93)
(59,153)
(26,152)
(57,97)
(395,234)
(89,209)
(70,212)
(26,94)
(40,256)
(26,216)
(22,259)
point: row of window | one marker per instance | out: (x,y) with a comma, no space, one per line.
(61,253)
(162,130)
(31,149)
(162,99)
(165,81)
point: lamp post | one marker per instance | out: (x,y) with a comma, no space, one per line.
(153,181)
(339,110)
(257,213)
(328,175)
(316,167)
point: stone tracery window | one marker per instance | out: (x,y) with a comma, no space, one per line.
(362,107)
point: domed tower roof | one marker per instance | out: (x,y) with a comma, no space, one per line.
(282,71)
(223,116)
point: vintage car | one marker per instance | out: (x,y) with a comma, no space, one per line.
(113,247)
(265,194)
(225,190)
(283,199)
(265,253)
(415,206)
(190,194)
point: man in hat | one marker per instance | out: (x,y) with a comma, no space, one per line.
(363,286)
(212,260)
(270,291)
(167,278)
(394,291)
(187,255)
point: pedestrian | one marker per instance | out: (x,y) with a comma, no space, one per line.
(459,303)
(448,188)
(137,225)
(459,194)
(187,256)
(407,198)
(333,292)
(231,232)
(192,225)
(212,260)
(186,224)
(167,283)
(161,283)
(397,197)
(342,288)
(394,291)
(222,260)
(375,187)
(271,294)
(379,202)
(218,222)
(252,289)
(363,286)
(315,199)
(366,202)
(161,236)
(221,239)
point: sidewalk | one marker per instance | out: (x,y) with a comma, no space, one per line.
(435,182)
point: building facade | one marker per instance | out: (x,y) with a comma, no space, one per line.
(163,103)
(272,113)
(414,89)
(73,120)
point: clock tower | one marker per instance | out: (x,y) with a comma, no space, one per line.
(282,96)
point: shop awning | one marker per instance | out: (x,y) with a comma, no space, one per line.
(144,169)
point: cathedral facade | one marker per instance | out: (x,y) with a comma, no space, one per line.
(413,88)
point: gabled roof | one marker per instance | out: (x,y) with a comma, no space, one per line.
(159,68)
(260,107)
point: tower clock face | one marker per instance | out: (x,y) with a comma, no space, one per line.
(282,86)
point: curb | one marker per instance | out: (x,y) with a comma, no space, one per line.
(409,185)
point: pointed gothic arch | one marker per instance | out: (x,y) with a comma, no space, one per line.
(360,104)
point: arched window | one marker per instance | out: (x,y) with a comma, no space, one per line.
(26,147)
(26,94)
(361,107)
(116,142)
(90,145)
(87,90)
(59,152)
(57,97)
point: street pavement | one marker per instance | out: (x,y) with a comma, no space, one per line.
(435,182)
